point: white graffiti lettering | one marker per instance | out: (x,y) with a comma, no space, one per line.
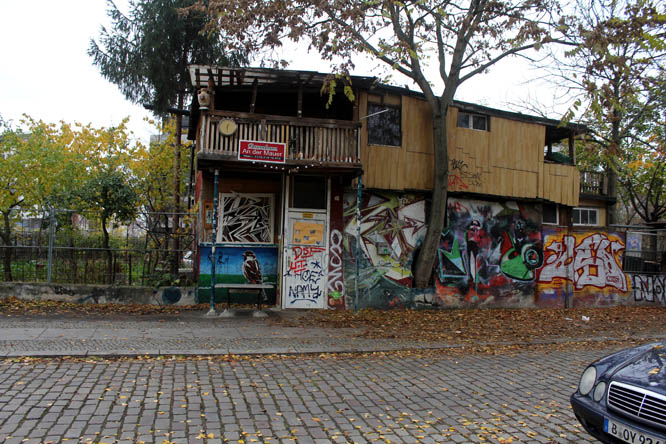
(648,288)
(592,262)
(335,282)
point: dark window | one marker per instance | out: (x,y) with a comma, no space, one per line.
(308,192)
(384,125)
(550,214)
(472,121)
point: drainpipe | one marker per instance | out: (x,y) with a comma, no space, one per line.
(213,256)
(359,192)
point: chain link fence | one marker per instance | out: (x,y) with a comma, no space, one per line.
(65,247)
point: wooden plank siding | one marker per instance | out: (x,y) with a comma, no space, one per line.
(507,160)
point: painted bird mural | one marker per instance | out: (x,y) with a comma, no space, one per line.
(251,268)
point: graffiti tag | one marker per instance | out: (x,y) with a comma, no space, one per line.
(335,282)
(457,164)
(648,288)
(301,255)
(456,182)
(593,261)
(304,292)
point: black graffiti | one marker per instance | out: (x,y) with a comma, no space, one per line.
(310,276)
(305,292)
(457,164)
(648,288)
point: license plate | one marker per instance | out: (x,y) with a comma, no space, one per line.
(628,434)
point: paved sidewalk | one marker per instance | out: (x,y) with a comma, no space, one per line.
(189,333)
(186,333)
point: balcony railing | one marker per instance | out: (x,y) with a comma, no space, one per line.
(323,140)
(592,182)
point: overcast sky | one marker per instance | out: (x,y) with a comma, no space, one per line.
(47,74)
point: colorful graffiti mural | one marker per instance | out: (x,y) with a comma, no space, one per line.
(238,264)
(648,288)
(585,260)
(489,252)
(392,227)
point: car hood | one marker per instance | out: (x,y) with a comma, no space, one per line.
(647,368)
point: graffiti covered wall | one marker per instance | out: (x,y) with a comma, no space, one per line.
(494,254)
(586,266)
(392,227)
(489,253)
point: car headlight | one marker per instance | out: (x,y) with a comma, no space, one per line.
(599,391)
(587,380)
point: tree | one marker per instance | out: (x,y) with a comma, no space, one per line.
(108,194)
(616,70)
(147,53)
(33,169)
(153,172)
(642,166)
(460,40)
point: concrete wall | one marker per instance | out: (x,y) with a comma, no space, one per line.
(97,294)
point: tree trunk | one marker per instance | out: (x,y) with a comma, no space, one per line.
(175,249)
(428,254)
(6,240)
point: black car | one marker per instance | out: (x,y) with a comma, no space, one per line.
(622,398)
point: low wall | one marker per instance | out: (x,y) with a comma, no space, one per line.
(98,294)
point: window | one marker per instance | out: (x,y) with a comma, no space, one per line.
(472,121)
(245,218)
(585,216)
(308,192)
(550,214)
(384,125)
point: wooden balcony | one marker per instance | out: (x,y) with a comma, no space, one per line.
(593,182)
(313,142)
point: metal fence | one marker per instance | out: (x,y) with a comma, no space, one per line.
(645,251)
(64,247)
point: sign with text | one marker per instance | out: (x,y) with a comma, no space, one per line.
(257,151)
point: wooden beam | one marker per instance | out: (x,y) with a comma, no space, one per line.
(299,112)
(240,76)
(253,102)
(572,150)
(211,78)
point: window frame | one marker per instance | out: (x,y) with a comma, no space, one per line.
(397,108)
(485,117)
(588,210)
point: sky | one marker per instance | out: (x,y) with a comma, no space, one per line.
(47,74)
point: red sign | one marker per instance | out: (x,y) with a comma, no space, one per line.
(253,150)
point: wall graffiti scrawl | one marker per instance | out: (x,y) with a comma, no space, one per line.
(585,259)
(489,249)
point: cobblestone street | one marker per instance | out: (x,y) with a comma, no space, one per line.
(390,398)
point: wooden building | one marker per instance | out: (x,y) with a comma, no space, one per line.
(278,161)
